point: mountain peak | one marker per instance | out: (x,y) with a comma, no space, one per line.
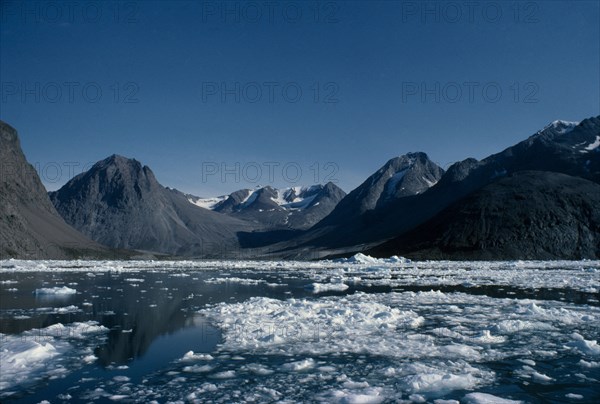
(402,176)
(8,133)
(561,127)
(119,161)
(297,207)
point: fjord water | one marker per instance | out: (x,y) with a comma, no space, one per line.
(360,329)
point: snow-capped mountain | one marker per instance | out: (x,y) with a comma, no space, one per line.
(476,206)
(407,175)
(561,146)
(293,207)
(360,220)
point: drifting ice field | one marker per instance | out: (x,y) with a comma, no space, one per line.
(359,330)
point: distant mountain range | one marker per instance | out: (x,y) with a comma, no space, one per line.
(289,208)
(535,200)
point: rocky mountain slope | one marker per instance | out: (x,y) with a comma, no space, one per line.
(525,215)
(563,147)
(30,227)
(119,202)
(348,226)
(289,208)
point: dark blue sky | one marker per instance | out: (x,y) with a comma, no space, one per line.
(333,89)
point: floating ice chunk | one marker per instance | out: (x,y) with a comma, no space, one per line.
(441,383)
(371,395)
(258,369)
(198,368)
(228,374)
(512,326)
(299,365)
(327,287)
(487,338)
(589,365)
(20,359)
(584,346)
(561,314)
(33,354)
(233,279)
(191,356)
(485,398)
(65,290)
(540,377)
(574,396)
(67,309)
(361,258)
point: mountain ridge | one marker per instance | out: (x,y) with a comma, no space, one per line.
(120,203)
(30,226)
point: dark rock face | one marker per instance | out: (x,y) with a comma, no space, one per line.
(119,202)
(400,177)
(527,215)
(467,212)
(30,227)
(318,202)
(560,147)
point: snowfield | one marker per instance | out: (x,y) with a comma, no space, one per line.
(354,330)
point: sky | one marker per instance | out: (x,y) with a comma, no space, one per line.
(218,96)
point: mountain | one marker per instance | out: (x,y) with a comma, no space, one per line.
(359,222)
(400,177)
(289,208)
(119,202)
(343,230)
(567,147)
(562,147)
(521,202)
(30,227)
(526,215)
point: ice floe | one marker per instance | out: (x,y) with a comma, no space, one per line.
(34,354)
(64,290)
(327,287)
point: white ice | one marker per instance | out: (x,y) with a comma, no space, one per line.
(35,354)
(56,291)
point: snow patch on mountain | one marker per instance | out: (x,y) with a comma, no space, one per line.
(561,127)
(592,146)
(206,203)
(291,198)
